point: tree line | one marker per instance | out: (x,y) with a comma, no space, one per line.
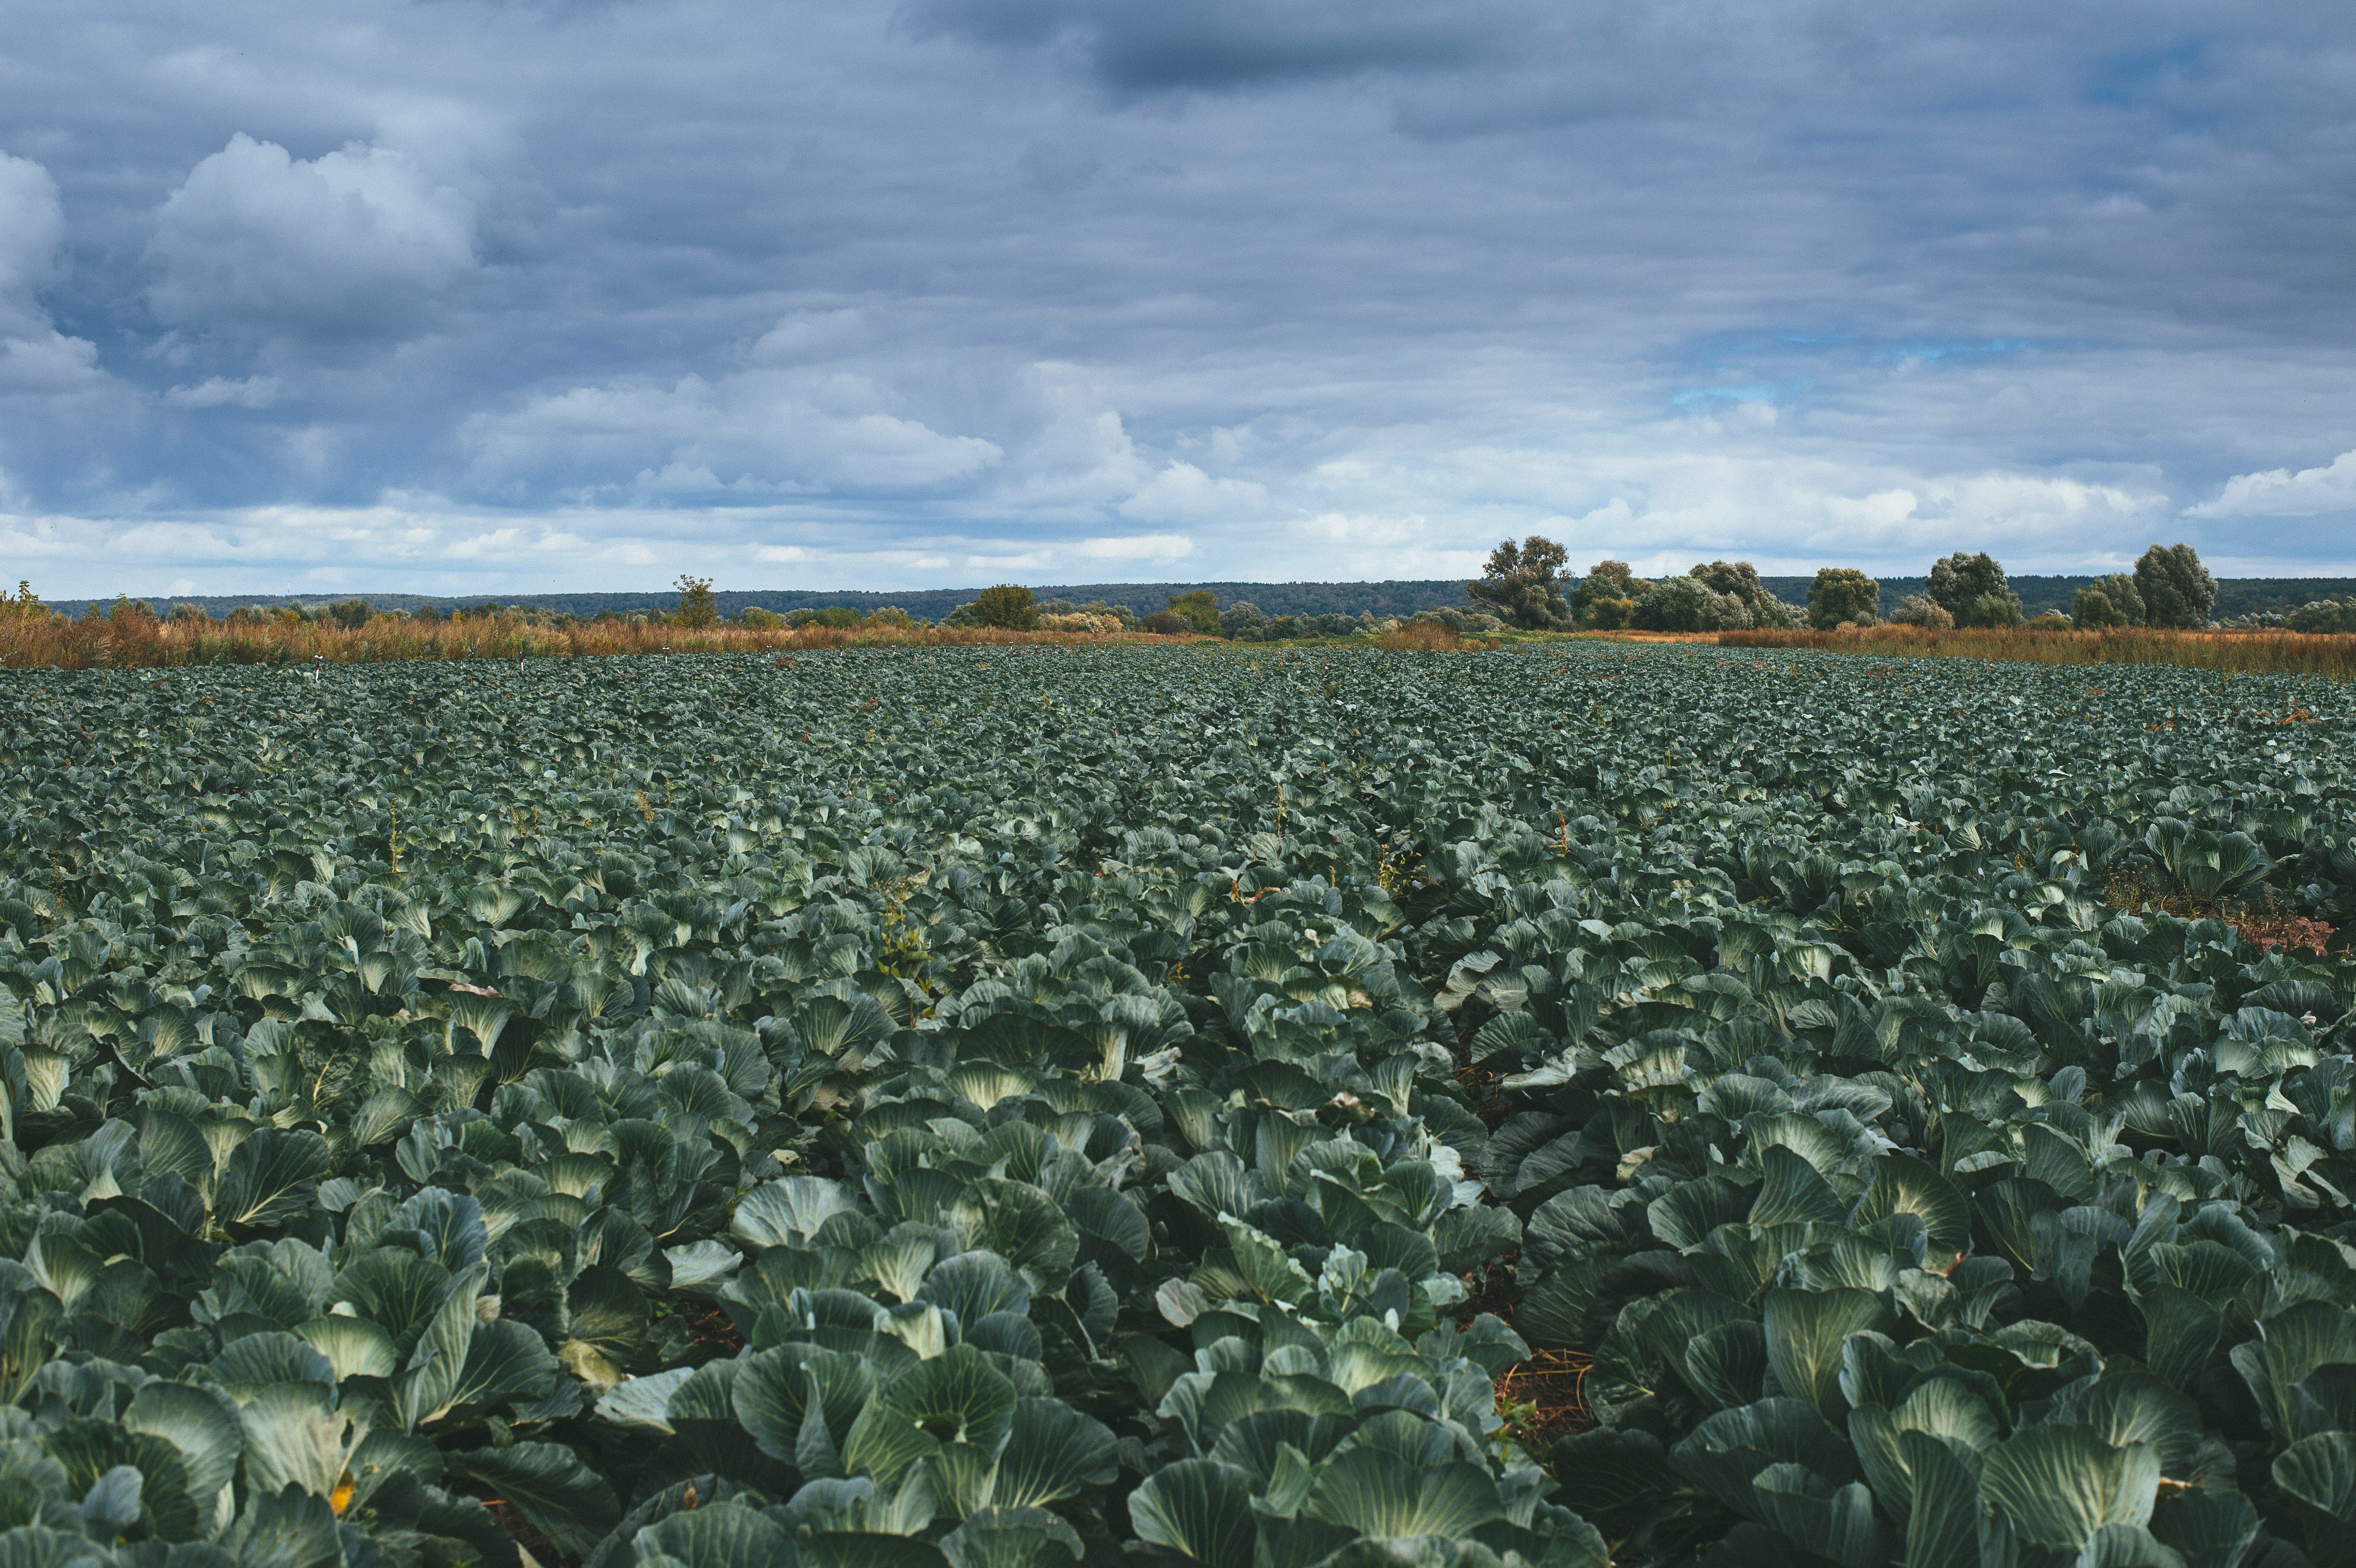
(1529,585)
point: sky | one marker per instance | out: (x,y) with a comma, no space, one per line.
(466,295)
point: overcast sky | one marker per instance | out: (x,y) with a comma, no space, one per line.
(458,295)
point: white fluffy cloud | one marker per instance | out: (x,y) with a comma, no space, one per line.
(348,243)
(1184,493)
(2282,493)
(32,225)
(36,360)
(760,433)
(221,392)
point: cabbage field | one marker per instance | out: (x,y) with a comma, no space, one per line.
(1020,1108)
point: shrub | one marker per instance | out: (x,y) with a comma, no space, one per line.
(1167,624)
(1843,593)
(1738,580)
(2324,616)
(755,618)
(1992,610)
(1605,580)
(1604,614)
(1007,605)
(350,614)
(1972,588)
(2113,601)
(1200,606)
(1418,635)
(1921,610)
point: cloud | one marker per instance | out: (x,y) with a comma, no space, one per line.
(1215,45)
(1184,493)
(352,242)
(2280,493)
(1159,549)
(32,226)
(218,392)
(1321,289)
(759,432)
(61,414)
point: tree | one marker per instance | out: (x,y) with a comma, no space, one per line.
(1166,623)
(1843,593)
(1609,582)
(1973,590)
(1690,604)
(350,614)
(2177,589)
(1992,610)
(1738,580)
(696,607)
(26,606)
(1200,606)
(2112,601)
(1007,604)
(1921,610)
(1243,620)
(1609,614)
(1524,584)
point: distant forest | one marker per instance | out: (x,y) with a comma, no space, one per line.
(924,603)
(2235,596)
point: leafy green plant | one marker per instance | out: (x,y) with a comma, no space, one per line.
(999,1105)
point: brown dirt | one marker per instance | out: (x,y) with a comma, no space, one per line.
(1552,1383)
(520,1529)
(710,1325)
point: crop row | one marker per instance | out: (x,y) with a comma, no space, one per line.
(1027,1106)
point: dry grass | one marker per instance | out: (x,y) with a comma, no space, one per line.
(1544,1399)
(1420,636)
(2259,921)
(2284,652)
(138,642)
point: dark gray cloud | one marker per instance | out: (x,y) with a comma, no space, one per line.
(1223,44)
(459,293)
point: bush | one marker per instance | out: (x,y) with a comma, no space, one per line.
(1007,605)
(351,614)
(184,612)
(1606,580)
(1843,593)
(2324,616)
(754,618)
(1200,606)
(1972,588)
(1921,610)
(1243,619)
(1992,610)
(1167,624)
(888,617)
(1687,604)
(1610,615)
(1738,580)
(2113,601)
